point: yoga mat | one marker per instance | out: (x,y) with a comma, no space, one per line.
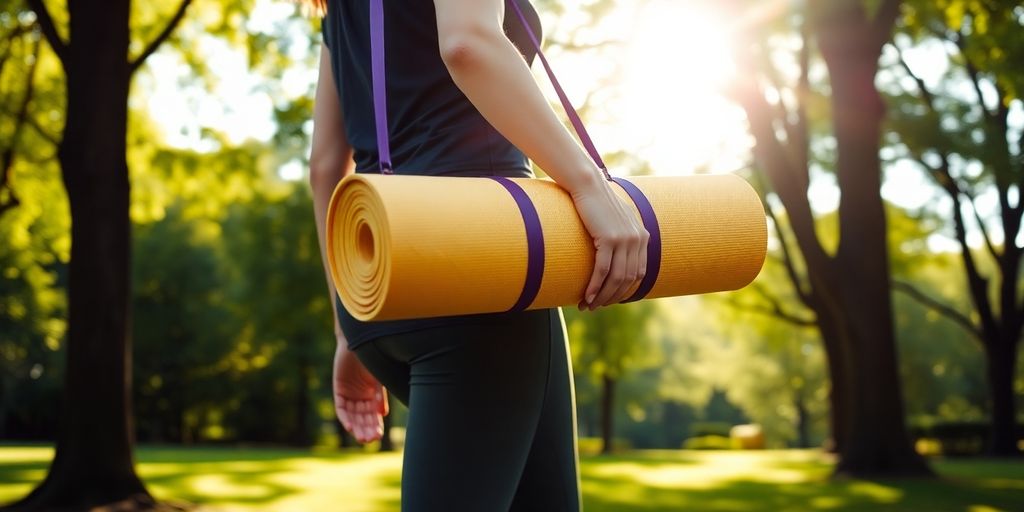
(423,246)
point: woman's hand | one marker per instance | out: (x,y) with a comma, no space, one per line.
(620,240)
(360,401)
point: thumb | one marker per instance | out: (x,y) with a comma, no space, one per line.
(382,401)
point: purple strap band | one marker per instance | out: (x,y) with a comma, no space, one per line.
(380,96)
(574,117)
(650,221)
(380,104)
(534,243)
(534,234)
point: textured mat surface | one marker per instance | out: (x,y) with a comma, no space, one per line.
(422,246)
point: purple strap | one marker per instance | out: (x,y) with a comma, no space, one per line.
(574,117)
(534,234)
(380,99)
(650,221)
(534,243)
(380,104)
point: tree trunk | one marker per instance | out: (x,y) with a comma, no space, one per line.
(93,462)
(876,440)
(837,381)
(344,440)
(386,445)
(803,438)
(607,413)
(301,437)
(1002,364)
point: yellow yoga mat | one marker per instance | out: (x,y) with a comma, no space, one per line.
(424,246)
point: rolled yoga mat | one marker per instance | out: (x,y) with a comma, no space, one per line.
(458,245)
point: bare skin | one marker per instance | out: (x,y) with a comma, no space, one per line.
(478,55)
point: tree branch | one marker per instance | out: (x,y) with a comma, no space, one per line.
(49,30)
(926,96)
(977,284)
(885,18)
(7,157)
(803,92)
(34,124)
(774,308)
(789,181)
(160,38)
(937,306)
(984,230)
(972,73)
(787,257)
(10,37)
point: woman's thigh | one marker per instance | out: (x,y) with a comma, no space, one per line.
(476,395)
(551,479)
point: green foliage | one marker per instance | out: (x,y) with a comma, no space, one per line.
(710,428)
(958,438)
(181,331)
(592,445)
(281,301)
(710,442)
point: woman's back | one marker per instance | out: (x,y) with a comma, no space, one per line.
(433,128)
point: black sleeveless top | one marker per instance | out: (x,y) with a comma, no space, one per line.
(433,128)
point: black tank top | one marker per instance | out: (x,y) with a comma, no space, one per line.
(433,128)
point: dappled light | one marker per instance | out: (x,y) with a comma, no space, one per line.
(654,480)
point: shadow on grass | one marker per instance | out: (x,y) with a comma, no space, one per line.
(783,481)
(756,483)
(227,477)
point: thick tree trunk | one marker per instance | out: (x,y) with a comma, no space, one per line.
(607,413)
(850,290)
(876,440)
(1002,364)
(837,381)
(93,461)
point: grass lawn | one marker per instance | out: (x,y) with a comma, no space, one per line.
(226,479)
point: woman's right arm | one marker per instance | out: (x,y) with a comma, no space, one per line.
(492,74)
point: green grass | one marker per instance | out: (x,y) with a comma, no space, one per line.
(227,479)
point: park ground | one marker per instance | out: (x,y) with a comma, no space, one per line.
(249,479)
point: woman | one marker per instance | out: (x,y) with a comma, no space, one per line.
(492,422)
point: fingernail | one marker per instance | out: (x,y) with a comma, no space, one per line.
(590,298)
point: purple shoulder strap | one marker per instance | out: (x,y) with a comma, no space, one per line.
(535,236)
(380,99)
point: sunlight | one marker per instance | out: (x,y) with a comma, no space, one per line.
(679,62)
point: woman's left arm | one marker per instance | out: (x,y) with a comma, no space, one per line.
(360,402)
(330,160)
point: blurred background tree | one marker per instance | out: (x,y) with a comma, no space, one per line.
(967,144)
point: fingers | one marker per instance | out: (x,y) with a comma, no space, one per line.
(645,237)
(628,266)
(602,266)
(630,279)
(361,418)
(615,278)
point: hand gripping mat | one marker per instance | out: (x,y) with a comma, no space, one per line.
(423,246)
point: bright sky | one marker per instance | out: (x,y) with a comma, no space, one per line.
(657,84)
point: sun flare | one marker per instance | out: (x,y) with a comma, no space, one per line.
(678,63)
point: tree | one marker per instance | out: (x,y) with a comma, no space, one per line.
(608,343)
(276,275)
(848,289)
(93,461)
(969,147)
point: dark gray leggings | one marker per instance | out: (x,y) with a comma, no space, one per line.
(492,413)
